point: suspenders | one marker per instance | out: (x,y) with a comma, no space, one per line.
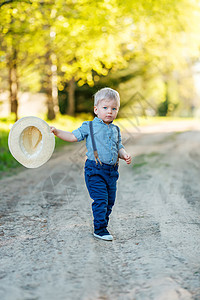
(117,162)
(94,144)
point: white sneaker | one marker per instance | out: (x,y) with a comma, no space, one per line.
(104,235)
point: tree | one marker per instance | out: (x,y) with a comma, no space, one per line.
(14,33)
(78,42)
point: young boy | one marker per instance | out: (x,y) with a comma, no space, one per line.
(103,141)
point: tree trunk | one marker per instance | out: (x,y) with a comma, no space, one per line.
(71,98)
(164,106)
(13,83)
(50,88)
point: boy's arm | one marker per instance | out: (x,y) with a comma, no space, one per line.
(122,152)
(64,135)
(124,155)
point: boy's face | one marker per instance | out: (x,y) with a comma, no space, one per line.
(106,110)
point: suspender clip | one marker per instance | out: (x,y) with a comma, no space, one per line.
(97,158)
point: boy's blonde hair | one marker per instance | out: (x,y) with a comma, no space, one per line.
(106,94)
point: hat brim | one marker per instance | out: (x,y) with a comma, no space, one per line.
(44,150)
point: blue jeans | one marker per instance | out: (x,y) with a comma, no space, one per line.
(101,182)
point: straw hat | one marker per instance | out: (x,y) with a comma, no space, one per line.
(31,142)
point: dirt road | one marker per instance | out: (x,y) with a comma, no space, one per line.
(47,250)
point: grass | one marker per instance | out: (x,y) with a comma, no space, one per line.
(138,165)
(144,159)
(7,162)
(139,161)
(6,159)
(153,159)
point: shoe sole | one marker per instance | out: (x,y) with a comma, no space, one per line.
(104,237)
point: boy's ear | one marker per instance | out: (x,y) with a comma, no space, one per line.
(95,110)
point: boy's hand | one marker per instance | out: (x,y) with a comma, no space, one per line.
(127,158)
(53,130)
(124,155)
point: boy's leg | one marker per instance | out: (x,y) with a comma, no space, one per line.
(97,188)
(112,187)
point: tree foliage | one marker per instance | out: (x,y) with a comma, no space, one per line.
(80,41)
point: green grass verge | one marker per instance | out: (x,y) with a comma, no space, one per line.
(145,159)
(6,159)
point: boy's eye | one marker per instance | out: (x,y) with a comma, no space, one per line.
(105,107)
(114,108)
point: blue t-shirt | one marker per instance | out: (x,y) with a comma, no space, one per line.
(106,138)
